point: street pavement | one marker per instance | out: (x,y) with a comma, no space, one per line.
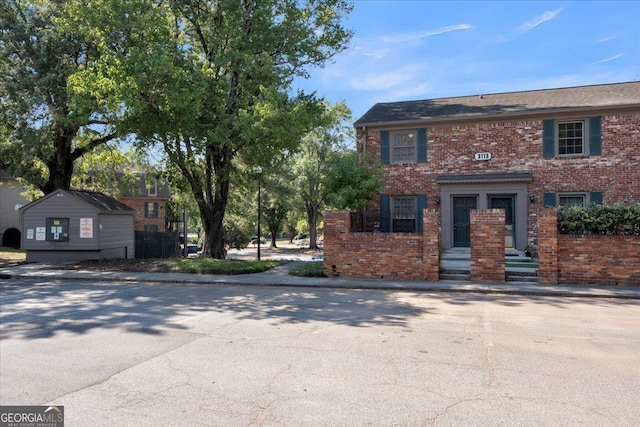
(279,276)
(162,353)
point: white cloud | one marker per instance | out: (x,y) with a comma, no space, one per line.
(408,37)
(538,20)
(611,58)
(380,81)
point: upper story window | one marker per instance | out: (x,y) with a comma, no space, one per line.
(403,147)
(153,189)
(572,137)
(151,210)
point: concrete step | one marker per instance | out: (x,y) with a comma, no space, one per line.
(455,276)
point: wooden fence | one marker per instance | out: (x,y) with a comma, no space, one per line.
(157,245)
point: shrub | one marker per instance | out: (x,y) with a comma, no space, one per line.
(11,238)
(615,219)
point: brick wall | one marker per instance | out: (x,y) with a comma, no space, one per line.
(588,259)
(140,221)
(548,246)
(487,245)
(408,256)
(599,260)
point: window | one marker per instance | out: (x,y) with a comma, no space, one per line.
(153,190)
(151,210)
(572,200)
(571,138)
(403,147)
(57,229)
(403,214)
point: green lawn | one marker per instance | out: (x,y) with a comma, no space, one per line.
(308,269)
(203,265)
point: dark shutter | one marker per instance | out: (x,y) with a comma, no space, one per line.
(385,213)
(596,197)
(384,147)
(595,136)
(422,144)
(146,210)
(422,204)
(548,138)
(549,200)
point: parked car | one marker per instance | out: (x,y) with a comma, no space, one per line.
(302,243)
(263,241)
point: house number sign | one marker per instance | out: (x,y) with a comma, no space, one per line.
(482,156)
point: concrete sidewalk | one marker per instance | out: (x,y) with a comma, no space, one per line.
(279,276)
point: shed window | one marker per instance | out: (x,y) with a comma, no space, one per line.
(58,229)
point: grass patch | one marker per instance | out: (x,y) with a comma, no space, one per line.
(12,254)
(308,269)
(202,265)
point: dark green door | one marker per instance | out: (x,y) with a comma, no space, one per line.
(462,207)
(508,204)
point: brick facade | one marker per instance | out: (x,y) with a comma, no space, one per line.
(487,246)
(516,146)
(140,221)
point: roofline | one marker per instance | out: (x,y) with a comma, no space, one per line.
(71,193)
(534,114)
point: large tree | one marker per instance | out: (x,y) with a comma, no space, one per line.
(316,162)
(209,82)
(47,121)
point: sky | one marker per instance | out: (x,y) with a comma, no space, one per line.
(408,50)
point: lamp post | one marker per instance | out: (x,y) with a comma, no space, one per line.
(259,172)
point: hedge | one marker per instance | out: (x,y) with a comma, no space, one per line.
(615,219)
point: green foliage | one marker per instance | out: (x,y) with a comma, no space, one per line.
(354,182)
(202,265)
(308,269)
(615,219)
(46,121)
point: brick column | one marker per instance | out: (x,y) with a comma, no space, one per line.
(487,245)
(431,245)
(336,230)
(548,246)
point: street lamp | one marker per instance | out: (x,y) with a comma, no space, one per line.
(259,172)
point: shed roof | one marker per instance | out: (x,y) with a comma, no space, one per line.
(102,202)
(615,95)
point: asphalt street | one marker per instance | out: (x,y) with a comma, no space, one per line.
(175,354)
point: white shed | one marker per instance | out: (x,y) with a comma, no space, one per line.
(73,225)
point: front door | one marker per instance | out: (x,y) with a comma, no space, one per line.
(462,207)
(508,204)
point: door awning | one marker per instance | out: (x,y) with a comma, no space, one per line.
(484,178)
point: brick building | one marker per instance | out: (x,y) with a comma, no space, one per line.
(149,199)
(519,151)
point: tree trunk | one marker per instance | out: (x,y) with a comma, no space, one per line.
(274,233)
(312,218)
(217,196)
(60,164)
